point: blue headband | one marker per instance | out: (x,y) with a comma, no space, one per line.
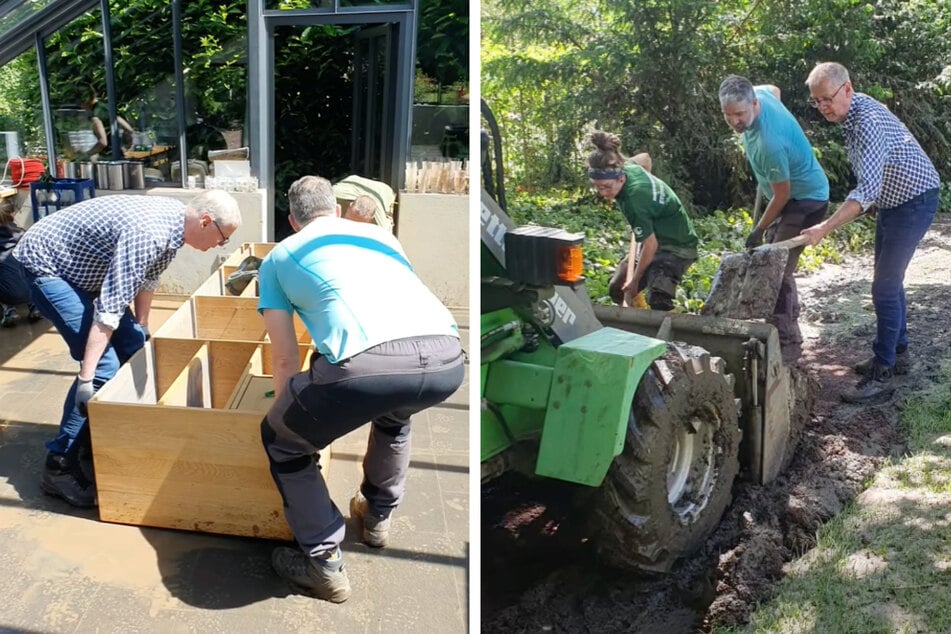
(601,175)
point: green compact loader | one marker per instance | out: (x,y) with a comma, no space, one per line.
(657,412)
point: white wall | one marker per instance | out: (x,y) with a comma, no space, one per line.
(433,229)
(190,267)
(434,232)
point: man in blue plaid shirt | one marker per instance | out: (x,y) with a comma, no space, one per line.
(895,176)
(85,265)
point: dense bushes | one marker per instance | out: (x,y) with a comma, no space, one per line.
(650,69)
(607,239)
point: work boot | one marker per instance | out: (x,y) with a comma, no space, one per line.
(901,364)
(35,315)
(870,389)
(376,529)
(62,480)
(324,578)
(10,317)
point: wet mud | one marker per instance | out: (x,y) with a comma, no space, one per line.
(539,572)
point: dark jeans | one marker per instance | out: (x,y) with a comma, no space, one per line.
(661,279)
(795,216)
(13,287)
(71,309)
(384,385)
(898,231)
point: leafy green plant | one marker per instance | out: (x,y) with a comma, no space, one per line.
(944,199)
(607,236)
(649,70)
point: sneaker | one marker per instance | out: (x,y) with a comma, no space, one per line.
(375,529)
(873,388)
(10,317)
(324,578)
(35,315)
(59,480)
(901,364)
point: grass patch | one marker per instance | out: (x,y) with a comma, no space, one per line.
(884,565)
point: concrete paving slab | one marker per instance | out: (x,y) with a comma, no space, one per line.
(66,571)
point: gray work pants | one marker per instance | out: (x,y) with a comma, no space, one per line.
(796,216)
(384,385)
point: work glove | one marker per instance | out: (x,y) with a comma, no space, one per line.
(247,271)
(755,238)
(84,392)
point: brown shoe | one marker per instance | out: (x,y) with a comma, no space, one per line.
(872,389)
(376,530)
(864,368)
(324,578)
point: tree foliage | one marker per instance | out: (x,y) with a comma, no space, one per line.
(552,70)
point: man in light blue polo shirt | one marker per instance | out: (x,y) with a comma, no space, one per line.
(386,348)
(790,178)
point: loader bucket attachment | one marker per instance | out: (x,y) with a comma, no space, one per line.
(752,355)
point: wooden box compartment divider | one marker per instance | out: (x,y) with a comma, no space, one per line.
(221,318)
(176,433)
(177,441)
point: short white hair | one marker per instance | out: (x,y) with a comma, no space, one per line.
(835,72)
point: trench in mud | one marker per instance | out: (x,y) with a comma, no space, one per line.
(539,569)
(539,572)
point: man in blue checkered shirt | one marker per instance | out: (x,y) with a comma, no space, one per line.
(85,265)
(895,176)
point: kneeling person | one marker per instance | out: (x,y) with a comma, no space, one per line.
(659,221)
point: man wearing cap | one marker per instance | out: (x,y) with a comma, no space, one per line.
(790,178)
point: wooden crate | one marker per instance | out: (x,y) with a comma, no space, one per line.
(177,442)
(176,433)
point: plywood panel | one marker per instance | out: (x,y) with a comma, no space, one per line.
(231,318)
(171,356)
(256,395)
(177,467)
(229,361)
(192,387)
(134,381)
(180,324)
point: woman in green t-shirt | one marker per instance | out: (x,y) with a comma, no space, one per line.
(662,228)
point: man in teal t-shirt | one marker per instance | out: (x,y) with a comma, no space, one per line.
(385,348)
(789,176)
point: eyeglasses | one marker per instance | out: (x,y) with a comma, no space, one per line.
(824,101)
(224,238)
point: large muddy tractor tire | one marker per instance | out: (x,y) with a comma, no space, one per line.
(671,484)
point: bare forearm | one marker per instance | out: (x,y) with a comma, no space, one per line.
(648,250)
(772,211)
(142,305)
(285,359)
(284,368)
(96,343)
(846,213)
